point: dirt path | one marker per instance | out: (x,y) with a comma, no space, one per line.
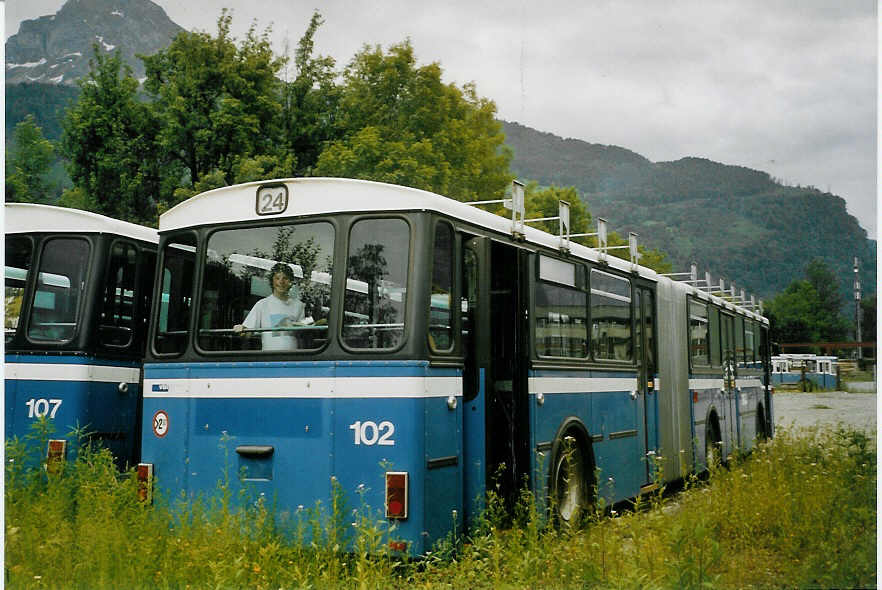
(808,409)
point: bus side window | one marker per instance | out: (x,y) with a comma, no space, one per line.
(441,302)
(610,317)
(698,333)
(561,309)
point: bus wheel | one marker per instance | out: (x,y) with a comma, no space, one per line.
(712,448)
(761,433)
(570,491)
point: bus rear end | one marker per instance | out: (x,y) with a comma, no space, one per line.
(280,366)
(77,289)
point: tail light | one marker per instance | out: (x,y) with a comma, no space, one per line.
(55,455)
(145,482)
(396,494)
(398,545)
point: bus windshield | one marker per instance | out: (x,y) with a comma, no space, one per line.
(58,293)
(267,288)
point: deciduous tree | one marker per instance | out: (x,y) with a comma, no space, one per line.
(109,142)
(808,310)
(27,164)
(400,123)
(216,102)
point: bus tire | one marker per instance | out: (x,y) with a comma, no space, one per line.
(713,447)
(571,487)
(761,432)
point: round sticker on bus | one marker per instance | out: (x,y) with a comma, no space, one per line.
(160,423)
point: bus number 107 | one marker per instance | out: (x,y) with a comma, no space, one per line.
(41,407)
(370,433)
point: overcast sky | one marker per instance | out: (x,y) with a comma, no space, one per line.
(784,86)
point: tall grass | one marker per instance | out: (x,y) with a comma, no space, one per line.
(798,512)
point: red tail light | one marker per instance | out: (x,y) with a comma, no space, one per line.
(398,545)
(55,455)
(145,482)
(396,494)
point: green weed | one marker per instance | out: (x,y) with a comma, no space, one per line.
(799,511)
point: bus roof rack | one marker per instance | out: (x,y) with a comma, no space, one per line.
(517,206)
(515,203)
(729,294)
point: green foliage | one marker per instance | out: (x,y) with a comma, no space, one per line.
(310,102)
(109,144)
(216,104)
(808,310)
(28,164)
(399,123)
(868,318)
(45,102)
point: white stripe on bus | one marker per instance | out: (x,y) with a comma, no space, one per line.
(705,384)
(548,385)
(305,387)
(61,372)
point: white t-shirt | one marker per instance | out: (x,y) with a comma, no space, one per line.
(272,312)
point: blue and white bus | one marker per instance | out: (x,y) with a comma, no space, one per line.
(77,292)
(435,352)
(814,371)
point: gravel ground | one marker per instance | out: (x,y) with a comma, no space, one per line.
(809,409)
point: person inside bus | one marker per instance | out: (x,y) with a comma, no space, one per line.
(281,309)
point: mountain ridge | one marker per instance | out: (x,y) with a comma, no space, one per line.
(55,49)
(720,216)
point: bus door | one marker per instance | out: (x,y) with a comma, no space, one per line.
(644,343)
(495,414)
(729,427)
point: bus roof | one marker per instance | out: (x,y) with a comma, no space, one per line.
(32,218)
(319,196)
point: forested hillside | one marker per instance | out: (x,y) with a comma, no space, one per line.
(736,222)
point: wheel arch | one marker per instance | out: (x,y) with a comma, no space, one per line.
(574,426)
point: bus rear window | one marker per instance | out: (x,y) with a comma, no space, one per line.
(267,289)
(376,284)
(18,263)
(117,322)
(59,290)
(176,295)
(441,306)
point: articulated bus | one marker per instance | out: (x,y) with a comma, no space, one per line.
(78,289)
(429,354)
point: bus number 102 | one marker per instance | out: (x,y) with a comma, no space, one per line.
(41,407)
(370,433)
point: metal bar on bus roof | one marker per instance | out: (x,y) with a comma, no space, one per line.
(633,250)
(517,208)
(494,201)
